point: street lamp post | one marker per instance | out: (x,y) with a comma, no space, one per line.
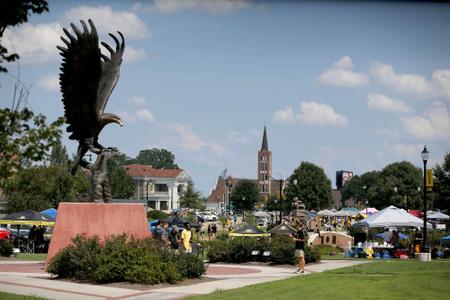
(425,155)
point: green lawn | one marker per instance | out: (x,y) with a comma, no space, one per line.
(407,279)
(32,256)
(9,296)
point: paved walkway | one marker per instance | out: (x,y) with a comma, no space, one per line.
(29,278)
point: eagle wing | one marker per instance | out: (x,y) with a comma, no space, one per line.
(110,72)
(81,73)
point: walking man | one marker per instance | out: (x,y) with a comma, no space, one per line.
(299,238)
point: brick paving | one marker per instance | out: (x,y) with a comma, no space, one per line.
(23,267)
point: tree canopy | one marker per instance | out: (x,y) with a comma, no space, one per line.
(122,185)
(397,184)
(244,194)
(309,184)
(157,158)
(191,198)
(13,13)
(441,184)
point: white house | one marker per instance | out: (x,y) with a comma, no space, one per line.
(159,188)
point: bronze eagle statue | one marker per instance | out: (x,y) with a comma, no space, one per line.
(87,79)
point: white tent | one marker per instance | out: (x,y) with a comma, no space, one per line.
(392,217)
(437,215)
(262,214)
(325,212)
(344,213)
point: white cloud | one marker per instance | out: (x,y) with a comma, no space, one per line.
(189,140)
(442,80)
(34,43)
(141,115)
(382,102)
(49,82)
(285,115)
(433,125)
(403,83)
(238,138)
(108,20)
(213,7)
(132,55)
(319,114)
(341,74)
(310,112)
(137,101)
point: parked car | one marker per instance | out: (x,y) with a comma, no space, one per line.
(206,217)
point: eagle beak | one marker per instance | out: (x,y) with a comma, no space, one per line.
(120,123)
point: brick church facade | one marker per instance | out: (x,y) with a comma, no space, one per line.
(219,197)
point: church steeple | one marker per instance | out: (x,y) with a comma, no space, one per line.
(265,145)
(264,167)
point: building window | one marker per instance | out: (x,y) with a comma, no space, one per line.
(163,205)
(180,189)
(160,188)
(151,204)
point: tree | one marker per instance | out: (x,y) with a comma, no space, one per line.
(24,138)
(58,155)
(157,158)
(395,185)
(41,187)
(441,184)
(309,184)
(191,198)
(13,13)
(244,194)
(122,184)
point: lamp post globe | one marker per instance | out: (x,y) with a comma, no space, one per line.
(425,156)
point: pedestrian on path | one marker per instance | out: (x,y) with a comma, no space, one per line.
(299,238)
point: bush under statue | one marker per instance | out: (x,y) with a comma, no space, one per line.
(87,79)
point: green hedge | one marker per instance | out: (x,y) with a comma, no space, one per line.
(239,250)
(120,259)
(157,215)
(6,248)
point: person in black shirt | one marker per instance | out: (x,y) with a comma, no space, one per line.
(299,238)
(173,237)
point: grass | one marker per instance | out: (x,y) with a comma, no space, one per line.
(408,279)
(32,256)
(9,296)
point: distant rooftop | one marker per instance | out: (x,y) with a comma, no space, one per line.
(147,171)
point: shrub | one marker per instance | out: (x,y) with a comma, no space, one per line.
(311,255)
(241,249)
(6,248)
(282,250)
(218,251)
(120,258)
(156,214)
(326,250)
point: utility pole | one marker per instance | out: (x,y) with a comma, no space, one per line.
(281,199)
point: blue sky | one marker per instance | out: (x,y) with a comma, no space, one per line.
(345,85)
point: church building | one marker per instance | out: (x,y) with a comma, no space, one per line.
(267,186)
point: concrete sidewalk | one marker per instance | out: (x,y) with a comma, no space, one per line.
(226,276)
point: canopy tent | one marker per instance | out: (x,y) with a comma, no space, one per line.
(179,222)
(263,214)
(437,215)
(354,209)
(416,213)
(391,217)
(345,213)
(28,217)
(369,211)
(283,229)
(325,213)
(248,231)
(50,212)
(445,241)
(387,235)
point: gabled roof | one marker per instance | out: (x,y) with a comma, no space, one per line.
(147,171)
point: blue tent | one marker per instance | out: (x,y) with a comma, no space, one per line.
(445,240)
(51,212)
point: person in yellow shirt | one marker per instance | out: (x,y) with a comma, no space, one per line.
(186,236)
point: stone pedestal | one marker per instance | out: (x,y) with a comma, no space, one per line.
(424,256)
(97,219)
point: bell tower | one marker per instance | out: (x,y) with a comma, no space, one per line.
(264,167)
